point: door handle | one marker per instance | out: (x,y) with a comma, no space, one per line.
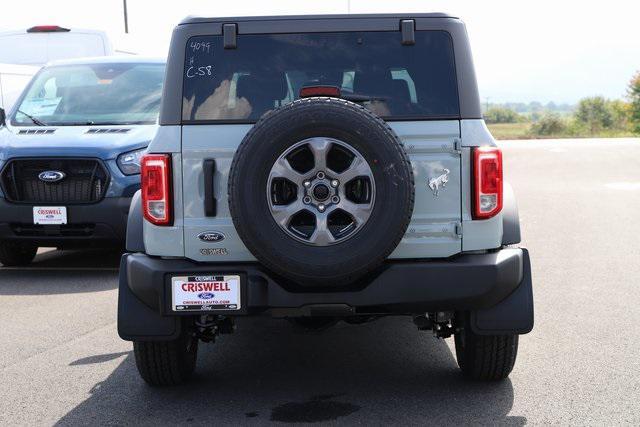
(210,202)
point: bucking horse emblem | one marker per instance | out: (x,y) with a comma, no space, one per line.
(439,182)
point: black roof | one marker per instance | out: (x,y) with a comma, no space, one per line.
(203,19)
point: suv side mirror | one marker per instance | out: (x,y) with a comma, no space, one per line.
(3,117)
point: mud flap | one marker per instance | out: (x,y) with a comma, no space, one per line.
(137,321)
(135,240)
(514,314)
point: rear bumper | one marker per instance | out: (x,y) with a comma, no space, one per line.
(479,283)
(96,224)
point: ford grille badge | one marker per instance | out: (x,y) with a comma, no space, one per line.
(51,176)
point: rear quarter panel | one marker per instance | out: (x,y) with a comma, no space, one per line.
(168,240)
(477,234)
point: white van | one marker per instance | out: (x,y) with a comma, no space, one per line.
(13,79)
(41,44)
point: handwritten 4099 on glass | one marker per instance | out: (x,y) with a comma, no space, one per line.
(205,70)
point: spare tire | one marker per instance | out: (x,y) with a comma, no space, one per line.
(321,191)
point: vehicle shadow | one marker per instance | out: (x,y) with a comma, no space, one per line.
(78,258)
(379,373)
(63,272)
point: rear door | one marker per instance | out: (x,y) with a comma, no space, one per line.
(412,87)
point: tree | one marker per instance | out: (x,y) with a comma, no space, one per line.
(595,113)
(549,125)
(621,114)
(634,98)
(502,115)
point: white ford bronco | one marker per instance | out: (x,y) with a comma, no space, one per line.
(322,169)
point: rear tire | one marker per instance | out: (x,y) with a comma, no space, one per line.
(165,363)
(16,254)
(485,357)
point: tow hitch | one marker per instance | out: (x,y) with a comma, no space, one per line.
(440,322)
(208,326)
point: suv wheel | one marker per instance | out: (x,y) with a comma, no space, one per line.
(321,191)
(485,357)
(15,254)
(162,363)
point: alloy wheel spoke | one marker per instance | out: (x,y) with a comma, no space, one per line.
(322,235)
(283,213)
(319,148)
(358,167)
(359,211)
(282,169)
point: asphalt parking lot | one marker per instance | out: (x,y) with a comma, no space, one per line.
(61,360)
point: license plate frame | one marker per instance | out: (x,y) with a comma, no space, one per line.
(50,215)
(217,292)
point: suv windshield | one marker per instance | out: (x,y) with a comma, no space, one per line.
(394,81)
(93,94)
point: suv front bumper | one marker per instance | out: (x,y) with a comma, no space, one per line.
(103,223)
(495,287)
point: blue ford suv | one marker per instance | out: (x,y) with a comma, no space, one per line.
(70,152)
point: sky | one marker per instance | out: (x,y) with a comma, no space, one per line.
(524,50)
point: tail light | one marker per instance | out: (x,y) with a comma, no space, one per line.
(487,182)
(156,188)
(48,29)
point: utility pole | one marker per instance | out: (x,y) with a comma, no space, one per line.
(126,18)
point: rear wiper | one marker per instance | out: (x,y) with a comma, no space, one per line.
(35,120)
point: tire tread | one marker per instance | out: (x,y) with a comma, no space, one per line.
(162,363)
(486,357)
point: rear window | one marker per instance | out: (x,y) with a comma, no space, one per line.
(394,81)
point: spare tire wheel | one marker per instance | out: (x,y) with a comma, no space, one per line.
(321,191)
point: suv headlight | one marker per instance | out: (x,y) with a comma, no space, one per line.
(129,163)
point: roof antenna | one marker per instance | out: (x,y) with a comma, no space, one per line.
(126,18)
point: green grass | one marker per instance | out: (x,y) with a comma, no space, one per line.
(523,131)
(510,130)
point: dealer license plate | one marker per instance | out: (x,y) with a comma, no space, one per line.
(205,293)
(49,215)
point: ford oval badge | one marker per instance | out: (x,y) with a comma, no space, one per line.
(51,176)
(211,236)
(205,295)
